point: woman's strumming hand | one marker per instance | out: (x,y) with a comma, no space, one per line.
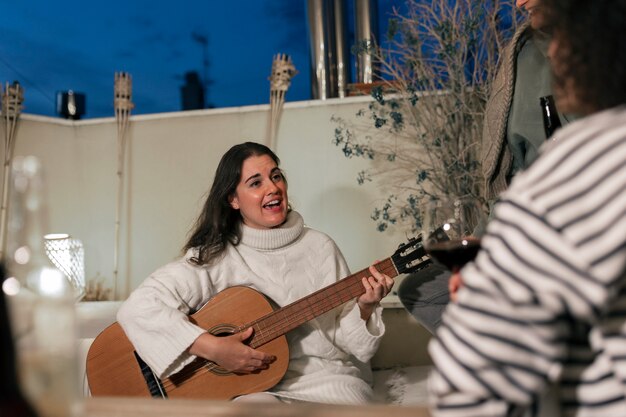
(231,353)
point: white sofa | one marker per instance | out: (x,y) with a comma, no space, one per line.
(92,318)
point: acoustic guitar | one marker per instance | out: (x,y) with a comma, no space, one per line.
(115,369)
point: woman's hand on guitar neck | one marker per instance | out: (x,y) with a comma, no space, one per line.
(377,286)
(231,353)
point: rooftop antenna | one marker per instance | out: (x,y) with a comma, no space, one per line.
(203,40)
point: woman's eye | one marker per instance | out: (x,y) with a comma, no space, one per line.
(255,183)
(277,177)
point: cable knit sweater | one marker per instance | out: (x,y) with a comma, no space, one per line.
(285,264)
(496,156)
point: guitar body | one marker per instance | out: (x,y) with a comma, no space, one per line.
(113,368)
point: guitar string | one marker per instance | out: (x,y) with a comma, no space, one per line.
(286,315)
(386,266)
(206,365)
(352,287)
(315,305)
(286,318)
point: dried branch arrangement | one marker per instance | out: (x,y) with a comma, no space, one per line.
(423,139)
(96,291)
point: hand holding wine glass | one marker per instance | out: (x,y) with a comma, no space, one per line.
(452,228)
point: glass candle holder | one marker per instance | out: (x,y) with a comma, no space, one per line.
(68,254)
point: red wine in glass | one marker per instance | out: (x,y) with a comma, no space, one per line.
(454,253)
(453,227)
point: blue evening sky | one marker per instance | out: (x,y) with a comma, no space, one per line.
(50,46)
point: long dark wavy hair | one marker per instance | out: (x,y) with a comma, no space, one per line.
(591,57)
(218,223)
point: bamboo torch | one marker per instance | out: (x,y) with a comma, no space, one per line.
(12,98)
(283,71)
(123,105)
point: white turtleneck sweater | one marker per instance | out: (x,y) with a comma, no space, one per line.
(286,264)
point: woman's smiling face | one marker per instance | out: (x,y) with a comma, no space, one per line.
(261,195)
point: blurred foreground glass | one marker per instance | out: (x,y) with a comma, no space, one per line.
(452,228)
(42,302)
(12,401)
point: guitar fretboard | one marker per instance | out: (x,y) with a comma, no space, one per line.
(281,321)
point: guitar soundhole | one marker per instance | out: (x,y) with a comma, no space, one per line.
(221,330)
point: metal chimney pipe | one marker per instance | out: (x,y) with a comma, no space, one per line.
(321,49)
(366,14)
(330,67)
(341,46)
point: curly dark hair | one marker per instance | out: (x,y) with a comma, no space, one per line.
(218,223)
(590,61)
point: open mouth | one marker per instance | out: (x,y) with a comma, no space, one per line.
(272,204)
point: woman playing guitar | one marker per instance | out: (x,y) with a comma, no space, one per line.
(247,236)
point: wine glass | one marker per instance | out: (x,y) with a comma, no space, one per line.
(452,228)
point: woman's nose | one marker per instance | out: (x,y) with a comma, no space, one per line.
(272,188)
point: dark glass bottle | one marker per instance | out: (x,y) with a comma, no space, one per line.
(12,401)
(551,121)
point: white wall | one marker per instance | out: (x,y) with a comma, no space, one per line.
(171,161)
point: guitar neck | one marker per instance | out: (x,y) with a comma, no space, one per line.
(281,321)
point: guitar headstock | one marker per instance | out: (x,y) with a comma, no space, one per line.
(410,256)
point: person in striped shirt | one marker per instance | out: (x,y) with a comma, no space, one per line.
(539,324)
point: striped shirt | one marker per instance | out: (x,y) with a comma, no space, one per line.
(544,304)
